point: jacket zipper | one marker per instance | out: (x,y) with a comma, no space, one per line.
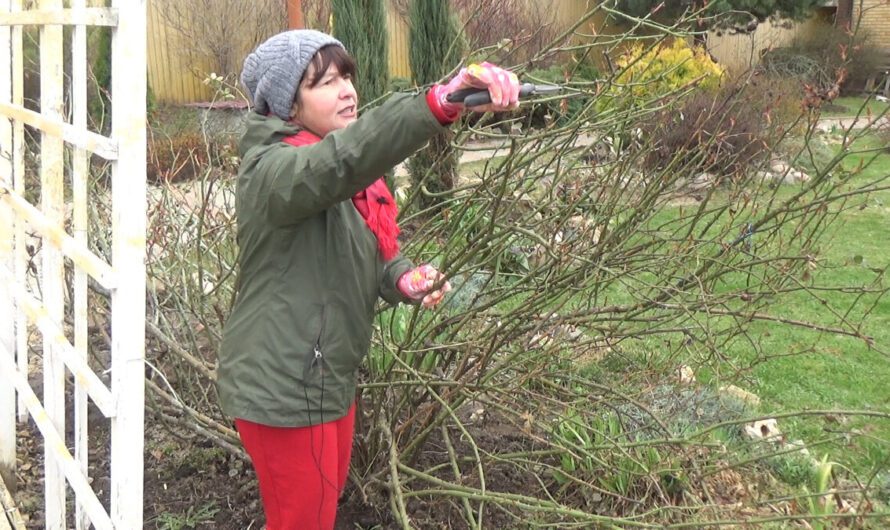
(316,361)
(318,356)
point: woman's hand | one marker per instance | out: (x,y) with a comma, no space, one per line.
(418,283)
(502,86)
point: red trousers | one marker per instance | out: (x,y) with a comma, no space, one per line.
(301,470)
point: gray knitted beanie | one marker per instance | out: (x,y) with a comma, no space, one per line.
(272,73)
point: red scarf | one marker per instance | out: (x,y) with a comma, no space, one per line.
(374,203)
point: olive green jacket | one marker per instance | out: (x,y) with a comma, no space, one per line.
(310,271)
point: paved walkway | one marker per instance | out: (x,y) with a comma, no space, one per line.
(825,124)
(481,150)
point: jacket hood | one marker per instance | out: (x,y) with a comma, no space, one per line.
(264,130)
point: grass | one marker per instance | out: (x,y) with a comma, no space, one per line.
(849,106)
(843,372)
(830,372)
(477,167)
(809,370)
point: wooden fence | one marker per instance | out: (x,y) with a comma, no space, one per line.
(173,75)
(176,73)
(740,52)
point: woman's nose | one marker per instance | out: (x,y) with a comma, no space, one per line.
(347,89)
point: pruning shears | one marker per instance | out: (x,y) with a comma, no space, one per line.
(472,97)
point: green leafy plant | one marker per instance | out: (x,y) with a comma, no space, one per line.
(794,469)
(573,432)
(192,518)
(821,504)
(583,456)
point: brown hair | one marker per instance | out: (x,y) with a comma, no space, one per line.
(322,60)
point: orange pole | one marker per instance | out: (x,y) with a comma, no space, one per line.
(295,14)
(843,17)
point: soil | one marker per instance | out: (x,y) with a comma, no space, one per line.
(190,483)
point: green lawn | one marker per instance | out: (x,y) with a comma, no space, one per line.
(844,373)
(851,105)
(820,370)
(831,371)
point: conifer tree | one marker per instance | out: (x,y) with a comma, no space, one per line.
(361,26)
(435,48)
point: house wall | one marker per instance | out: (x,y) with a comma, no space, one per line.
(875,20)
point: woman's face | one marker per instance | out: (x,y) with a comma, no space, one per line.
(329,105)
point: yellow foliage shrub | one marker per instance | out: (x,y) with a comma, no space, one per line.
(665,69)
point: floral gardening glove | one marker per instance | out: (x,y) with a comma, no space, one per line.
(502,85)
(417,284)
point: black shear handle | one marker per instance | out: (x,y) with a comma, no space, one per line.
(473,97)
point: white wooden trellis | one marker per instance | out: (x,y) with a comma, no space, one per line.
(124,277)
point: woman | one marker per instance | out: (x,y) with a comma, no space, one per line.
(317,236)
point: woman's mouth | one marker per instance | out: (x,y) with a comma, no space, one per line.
(348,112)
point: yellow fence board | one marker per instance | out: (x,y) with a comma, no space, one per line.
(172,73)
(739,52)
(399,65)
